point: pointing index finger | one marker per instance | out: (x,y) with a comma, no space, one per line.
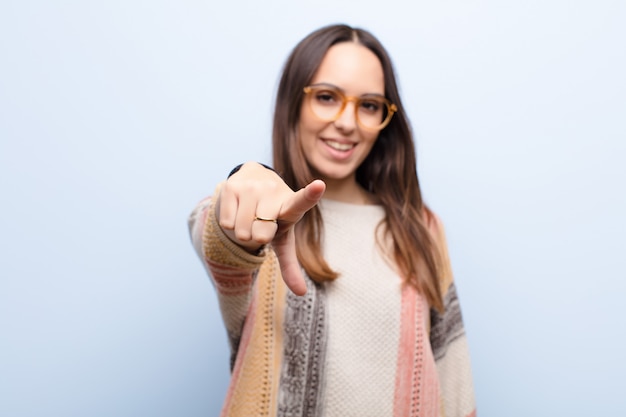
(302,201)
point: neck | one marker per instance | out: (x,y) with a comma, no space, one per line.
(348,191)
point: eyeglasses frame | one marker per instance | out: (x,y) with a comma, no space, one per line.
(391,107)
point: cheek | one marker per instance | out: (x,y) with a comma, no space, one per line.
(368,141)
(309,128)
(370,138)
(309,123)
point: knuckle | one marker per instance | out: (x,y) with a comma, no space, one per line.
(262,240)
(242,235)
(225,224)
(264,232)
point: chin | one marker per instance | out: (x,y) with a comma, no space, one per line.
(336,174)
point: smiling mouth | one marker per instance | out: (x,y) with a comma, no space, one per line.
(339,146)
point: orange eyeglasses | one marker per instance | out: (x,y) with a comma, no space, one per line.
(328,102)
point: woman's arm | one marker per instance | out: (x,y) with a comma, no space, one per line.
(449,341)
(231,268)
(251,209)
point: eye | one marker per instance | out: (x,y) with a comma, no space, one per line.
(326,97)
(371,105)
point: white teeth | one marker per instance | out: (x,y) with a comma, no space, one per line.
(339,146)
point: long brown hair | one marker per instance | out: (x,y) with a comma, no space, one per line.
(389,171)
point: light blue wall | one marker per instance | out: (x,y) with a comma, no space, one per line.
(117,116)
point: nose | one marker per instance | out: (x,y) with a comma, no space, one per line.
(346,121)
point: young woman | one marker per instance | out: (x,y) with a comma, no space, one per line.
(333,276)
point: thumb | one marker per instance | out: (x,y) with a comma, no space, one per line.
(284,244)
(285,249)
(302,201)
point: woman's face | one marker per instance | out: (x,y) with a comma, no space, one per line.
(335,149)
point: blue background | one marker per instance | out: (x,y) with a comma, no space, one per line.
(117,117)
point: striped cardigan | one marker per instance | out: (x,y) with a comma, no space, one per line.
(277,339)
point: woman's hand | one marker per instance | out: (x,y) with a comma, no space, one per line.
(248,203)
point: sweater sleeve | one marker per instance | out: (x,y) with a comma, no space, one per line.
(449,342)
(232,270)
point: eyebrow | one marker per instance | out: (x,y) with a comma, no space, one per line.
(334,87)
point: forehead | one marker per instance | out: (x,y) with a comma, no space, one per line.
(353,68)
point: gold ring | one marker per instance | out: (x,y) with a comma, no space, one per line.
(264,219)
